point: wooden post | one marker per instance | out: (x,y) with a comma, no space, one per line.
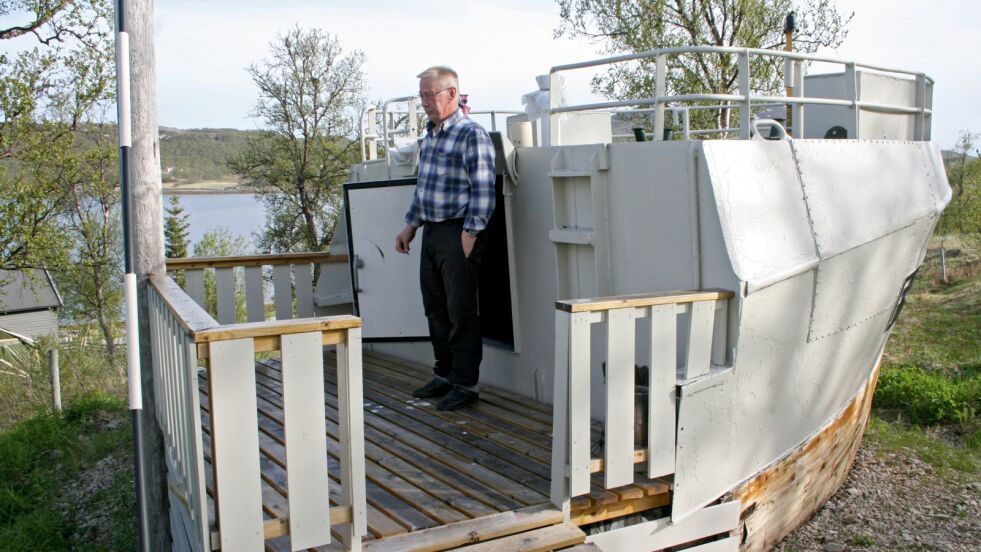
(147,220)
(55,379)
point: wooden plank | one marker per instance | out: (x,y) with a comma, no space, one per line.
(560,494)
(519,440)
(618,445)
(304,289)
(277,327)
(470,531)
(253,260)
(603,512)
(511,419)
(225,294)
(306,440)
(444,462)
(350,395)
(408,483)
(283,291)
(255,298)
(587,547)
(597,465)
(271,343)
(641,300)
(579,408)
(194,285)
(539,540)
(236,445)
(189,313)
(662,533)
(698,359)
(272,462)
(662,394)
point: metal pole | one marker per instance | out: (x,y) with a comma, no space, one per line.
(132,323)
(55,379)
(789,27)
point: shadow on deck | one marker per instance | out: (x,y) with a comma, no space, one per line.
(435,479)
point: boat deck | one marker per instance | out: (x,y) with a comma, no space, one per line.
(427,469)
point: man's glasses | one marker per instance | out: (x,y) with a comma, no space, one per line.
(430,95)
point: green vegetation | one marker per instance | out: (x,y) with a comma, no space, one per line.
(43,503)
(929,388)
(200,154)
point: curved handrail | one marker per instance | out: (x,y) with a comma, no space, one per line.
(744,100)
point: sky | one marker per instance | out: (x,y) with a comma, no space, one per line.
(498,46)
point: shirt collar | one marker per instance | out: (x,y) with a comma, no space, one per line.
(450,121)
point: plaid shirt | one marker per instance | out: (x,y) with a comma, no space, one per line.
(456,175)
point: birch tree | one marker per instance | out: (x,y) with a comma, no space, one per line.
(310,95)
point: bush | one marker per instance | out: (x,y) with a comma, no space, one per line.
(929,397)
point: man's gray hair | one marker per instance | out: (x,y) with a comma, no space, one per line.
(444,74)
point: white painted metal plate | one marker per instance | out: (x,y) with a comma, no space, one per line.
(705,443)
(662,533)
(387,295)
(761,207)
(865,282)
(870,190)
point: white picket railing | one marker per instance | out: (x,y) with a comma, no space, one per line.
(183,335)
(572,463)
(292,279)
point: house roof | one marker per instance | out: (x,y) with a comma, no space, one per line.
(27,290)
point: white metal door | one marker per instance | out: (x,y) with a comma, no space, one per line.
(385,283)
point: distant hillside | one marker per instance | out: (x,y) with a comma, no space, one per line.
(196,155)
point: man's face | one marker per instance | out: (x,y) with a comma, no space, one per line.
(438,100)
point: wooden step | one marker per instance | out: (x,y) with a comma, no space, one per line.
(555,537)
(446,537)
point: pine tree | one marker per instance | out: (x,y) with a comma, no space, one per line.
(175,230)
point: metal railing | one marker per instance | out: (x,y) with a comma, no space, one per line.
(183,337)
(402,122)
(572,463)
(240,280)
(745,99)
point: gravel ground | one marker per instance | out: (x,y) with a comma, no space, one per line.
(893,501)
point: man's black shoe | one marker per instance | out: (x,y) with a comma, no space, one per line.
(435,388)
(457,398)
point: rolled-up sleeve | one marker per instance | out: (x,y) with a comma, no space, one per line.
(479,163)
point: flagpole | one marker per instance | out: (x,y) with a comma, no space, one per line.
(132,324)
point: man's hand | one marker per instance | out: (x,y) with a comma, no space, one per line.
(404,238)
(467,241)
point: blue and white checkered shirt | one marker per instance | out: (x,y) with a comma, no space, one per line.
(456,175)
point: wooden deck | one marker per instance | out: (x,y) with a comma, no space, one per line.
(442,478)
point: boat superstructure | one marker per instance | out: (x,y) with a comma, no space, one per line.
(719,416)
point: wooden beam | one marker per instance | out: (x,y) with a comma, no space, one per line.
(271,343)
(539,540)
(602,512)
(280,527)
(470,531)
(277,327)
(189,314)
(597,465)
(641,300)
(188,263)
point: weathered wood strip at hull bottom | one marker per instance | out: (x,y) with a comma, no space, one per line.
(782,497)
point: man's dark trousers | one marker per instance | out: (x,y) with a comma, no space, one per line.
(449,295)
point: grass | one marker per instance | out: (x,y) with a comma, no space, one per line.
(42,458)
(928,398)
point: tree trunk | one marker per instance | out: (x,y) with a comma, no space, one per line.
(147,221)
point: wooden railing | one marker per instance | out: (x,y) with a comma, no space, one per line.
(184,335)
(292,279)
(572,463)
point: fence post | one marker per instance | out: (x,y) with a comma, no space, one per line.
(943,265)
(55,379)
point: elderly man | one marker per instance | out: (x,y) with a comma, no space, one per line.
(454,199)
